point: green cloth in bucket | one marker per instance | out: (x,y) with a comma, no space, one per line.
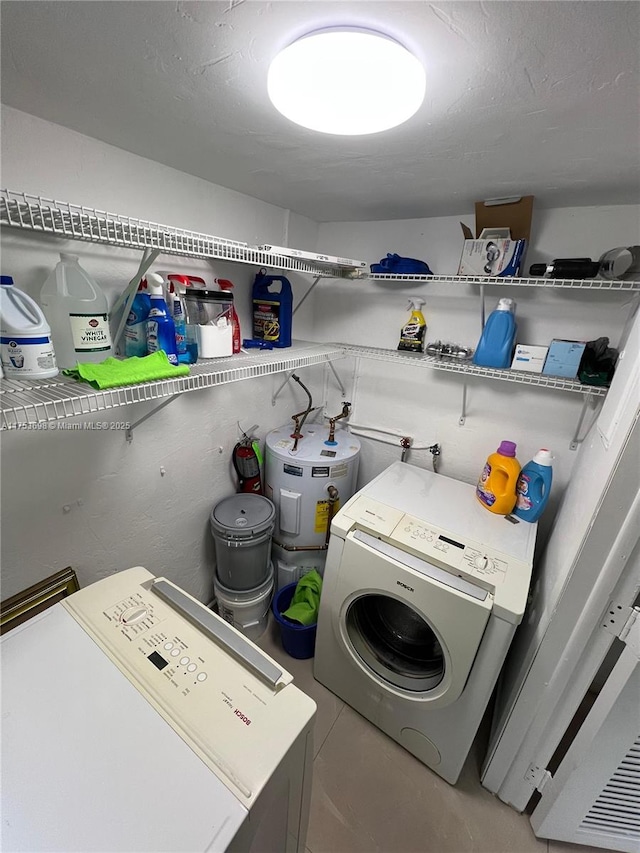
(306,600)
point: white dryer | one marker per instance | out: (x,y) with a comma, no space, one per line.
(423,591)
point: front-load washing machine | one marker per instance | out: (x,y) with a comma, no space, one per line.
(423,591)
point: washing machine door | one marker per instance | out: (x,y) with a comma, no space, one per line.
(408,622)
(396,642)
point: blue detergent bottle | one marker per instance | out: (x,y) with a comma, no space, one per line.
(161,330)
(272,310)
(495,347)
(534,486)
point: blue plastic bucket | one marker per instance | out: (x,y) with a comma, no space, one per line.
(299,641)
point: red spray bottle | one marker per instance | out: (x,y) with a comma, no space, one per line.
(225,284)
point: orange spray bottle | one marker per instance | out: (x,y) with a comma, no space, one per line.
(496,489)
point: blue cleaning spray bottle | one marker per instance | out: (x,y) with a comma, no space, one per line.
(180,323)
(161,331)
(135,330)
(534,486)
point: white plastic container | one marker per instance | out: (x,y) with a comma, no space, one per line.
(25,337)
(78,312)
(247,610)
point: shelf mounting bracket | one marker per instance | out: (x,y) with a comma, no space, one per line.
(129,433)
(463,413)
(276,393)
(299,305)
(338,380)
(125,300)
(589,402)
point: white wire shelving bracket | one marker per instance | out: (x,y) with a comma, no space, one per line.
(506,281)
(78,222)
(39,403)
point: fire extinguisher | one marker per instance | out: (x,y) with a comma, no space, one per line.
(247,465)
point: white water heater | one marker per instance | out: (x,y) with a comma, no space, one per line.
(302,478)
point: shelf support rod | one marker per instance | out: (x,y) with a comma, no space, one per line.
(129,433)
(338,380)
(463,413)
(129,294)
(276,394)
(299,305)
(589,402)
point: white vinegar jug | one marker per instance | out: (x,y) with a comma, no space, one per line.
(78,313)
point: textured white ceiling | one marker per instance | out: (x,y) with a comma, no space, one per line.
(523,97)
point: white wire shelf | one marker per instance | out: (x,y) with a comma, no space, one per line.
(77,222)
(506,281)
(452,365)
(24,404)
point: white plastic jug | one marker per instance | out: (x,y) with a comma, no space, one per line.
(25,337)
(78,313)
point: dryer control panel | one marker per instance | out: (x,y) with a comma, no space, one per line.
(474,558)
(462,559)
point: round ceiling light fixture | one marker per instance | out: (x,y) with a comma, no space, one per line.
(346,81)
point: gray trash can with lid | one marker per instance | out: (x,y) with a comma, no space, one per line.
(242,527)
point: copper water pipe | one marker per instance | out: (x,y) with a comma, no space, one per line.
(332,421)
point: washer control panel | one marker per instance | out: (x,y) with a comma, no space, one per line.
(463,559)
(204,686)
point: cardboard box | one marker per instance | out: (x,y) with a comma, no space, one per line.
(503,230)
(563,358)
(529,358)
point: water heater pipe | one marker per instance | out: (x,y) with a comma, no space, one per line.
(334,497)
(360,429)
(300,417)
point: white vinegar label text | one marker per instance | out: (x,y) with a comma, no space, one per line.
(90,332)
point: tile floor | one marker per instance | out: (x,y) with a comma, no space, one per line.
(372,796)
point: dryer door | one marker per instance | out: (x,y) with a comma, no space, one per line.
(410,624)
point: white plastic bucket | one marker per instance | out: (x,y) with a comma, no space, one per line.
(248,609)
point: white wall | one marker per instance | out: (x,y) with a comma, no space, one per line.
(426,404)
(89,499)
(121,510)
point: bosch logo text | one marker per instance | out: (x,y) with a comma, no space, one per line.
(244,719)
(404,586)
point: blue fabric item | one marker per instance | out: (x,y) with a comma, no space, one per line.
(395,264)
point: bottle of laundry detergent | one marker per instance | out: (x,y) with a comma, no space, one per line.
(25,337)
(272,310)
(496,489)
(534,486)
(413,332)
(495,347)
(78,314)
(161,331)
(135,330)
